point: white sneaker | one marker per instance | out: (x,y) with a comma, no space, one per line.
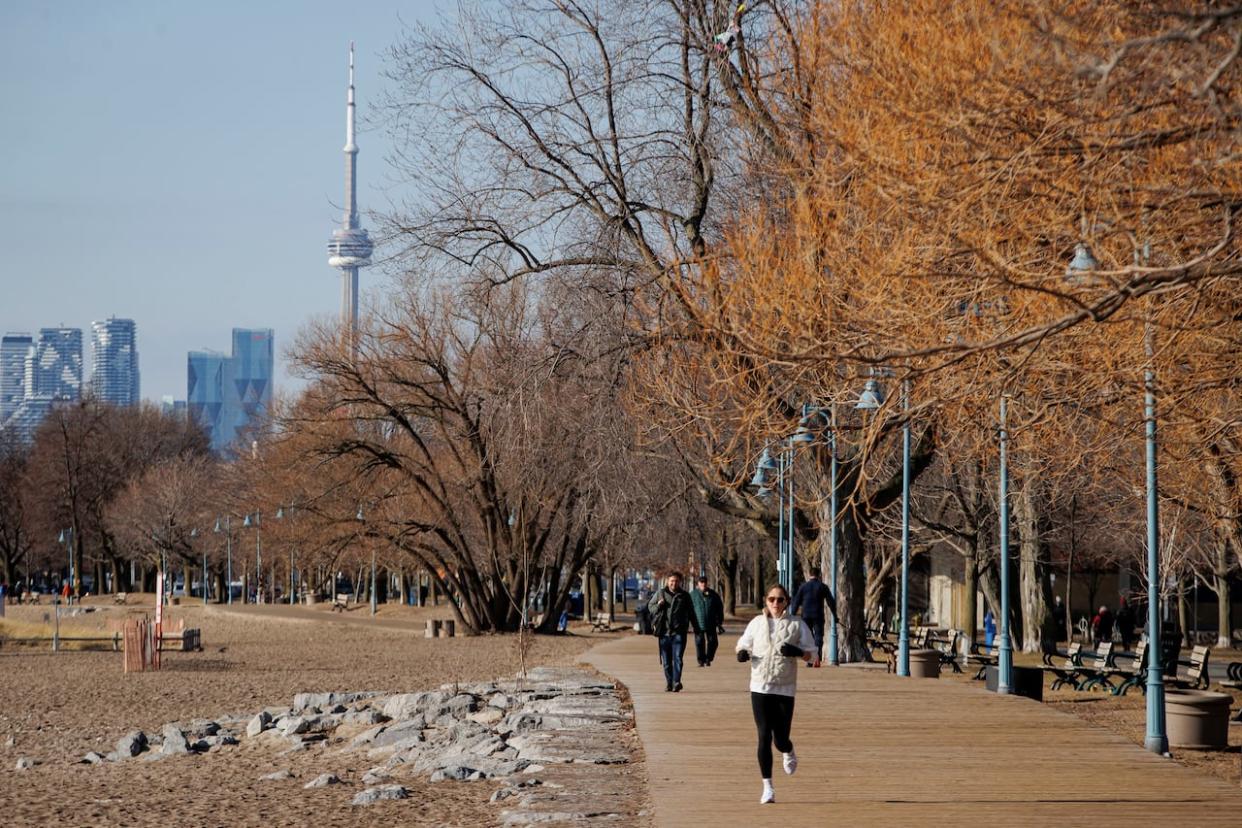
(769,793)
(790,761)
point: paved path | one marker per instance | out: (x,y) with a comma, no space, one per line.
(875,749)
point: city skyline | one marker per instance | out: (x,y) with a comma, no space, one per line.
(207,211)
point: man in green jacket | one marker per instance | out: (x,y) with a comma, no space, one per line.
(672,616)
(709,615)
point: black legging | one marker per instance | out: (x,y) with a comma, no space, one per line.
(773,716)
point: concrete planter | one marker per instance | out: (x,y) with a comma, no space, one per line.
(1197,719)
(311,598)
(924,664)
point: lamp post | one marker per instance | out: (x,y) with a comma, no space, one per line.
(66,537)
(194,534)
(228,545)
(833,658)
(903,645)
(1156,739)
(253,520)
(1004,648)
(280,515)
(362,519)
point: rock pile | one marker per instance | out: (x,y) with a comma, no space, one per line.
(506,730)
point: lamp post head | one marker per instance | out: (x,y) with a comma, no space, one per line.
(805,434)
(871,398)
(766,462)
(359,517)
(61,539)
(280,513)
(760,480)
(247,523)
(217,529)
(1083,263)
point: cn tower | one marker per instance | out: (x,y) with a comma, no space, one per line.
(349,248)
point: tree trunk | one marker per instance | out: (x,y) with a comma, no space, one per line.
(970,586)
(851,585)
(1033,574)
(727,559)
(612,594)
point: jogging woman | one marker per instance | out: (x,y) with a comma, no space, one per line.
(773,642)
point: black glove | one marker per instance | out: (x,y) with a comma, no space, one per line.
(720,630)
(790,651)
(743,656)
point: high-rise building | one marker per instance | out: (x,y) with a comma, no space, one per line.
(14,350)
(349,248)
(114,361)
(54,365)
(29,415)
(229,395)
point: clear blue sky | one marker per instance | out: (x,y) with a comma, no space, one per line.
(180,163)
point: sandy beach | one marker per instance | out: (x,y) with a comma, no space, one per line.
(57,707)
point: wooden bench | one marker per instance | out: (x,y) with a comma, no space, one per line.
(601,623)
(1233,675)
(30,598)
(990,658)
(1197,675)
(120,598)
(1099,672)
(340,602)
(1065,673)
(1136,676)
(947,644)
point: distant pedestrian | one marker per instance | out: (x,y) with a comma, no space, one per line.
(989,628)
(709,618)
(1058,614)
(809,601)
(1125,622)
(1102,626)
(773,642)
(672,615)
(65,592)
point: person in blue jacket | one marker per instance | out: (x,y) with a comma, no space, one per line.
(809,602)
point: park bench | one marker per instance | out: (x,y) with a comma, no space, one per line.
(601,623)
(984,656)
(1233,681)
(120,598)
(30,598)
(1197,675)
(877,639)
(947,644)
(1099,672)
(1136,676)
(340,602)
(1065,673)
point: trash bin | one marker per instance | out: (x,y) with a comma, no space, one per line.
(1028,682)
(1197,719)
(924,664)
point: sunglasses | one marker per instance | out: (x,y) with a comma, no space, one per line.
(777,599)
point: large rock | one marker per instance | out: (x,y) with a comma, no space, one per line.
(92,758)
(379,793)
(323,780)
(131,744)
(25,763)
(259,723)
(407,705)
(324,701)
(174,740)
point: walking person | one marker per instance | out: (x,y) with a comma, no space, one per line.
(1102,626)
(773,642)
(809,601)
(672,615)
(709,618)
(1125,623)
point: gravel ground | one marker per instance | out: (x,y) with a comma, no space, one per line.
(56,707)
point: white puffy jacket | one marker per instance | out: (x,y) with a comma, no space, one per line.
(771,672)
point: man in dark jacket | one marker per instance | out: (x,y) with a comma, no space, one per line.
(709,618)
(809,601)
(672,615)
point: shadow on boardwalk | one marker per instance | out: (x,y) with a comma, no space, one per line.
(875,749)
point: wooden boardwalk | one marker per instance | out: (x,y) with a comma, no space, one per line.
(875,749)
